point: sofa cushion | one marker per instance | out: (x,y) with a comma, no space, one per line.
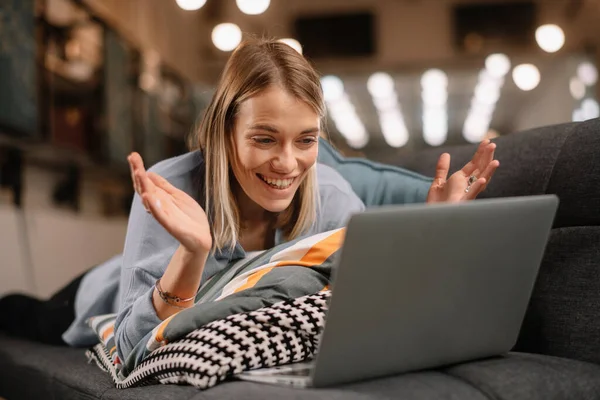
(576,176)
(377,184)
(36,371)
(563,317)
(516,376)
(31,370)
(531,376)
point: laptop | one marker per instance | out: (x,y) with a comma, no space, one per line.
(424,286)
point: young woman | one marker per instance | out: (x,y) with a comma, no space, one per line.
(252,183)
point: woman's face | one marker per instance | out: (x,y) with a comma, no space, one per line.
(275,142)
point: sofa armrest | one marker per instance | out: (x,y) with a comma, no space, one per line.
(526,160)
(559,159)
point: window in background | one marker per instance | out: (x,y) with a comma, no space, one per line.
(119,83)
(494,26)
(354,35)
(70,79)
(18,91)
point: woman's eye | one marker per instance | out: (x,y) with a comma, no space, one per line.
(308,140)
(263,140)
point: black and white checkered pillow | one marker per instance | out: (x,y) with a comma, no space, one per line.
(286,332)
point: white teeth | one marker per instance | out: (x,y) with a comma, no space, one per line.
(278,183)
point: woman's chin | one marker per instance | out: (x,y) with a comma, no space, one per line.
(276,206)
(273,199)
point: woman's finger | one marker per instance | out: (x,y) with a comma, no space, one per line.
(164,184)
(487,157)
(441,170)
(137,165)
(142,184)
(490,170)
(481,150)
(488,154)
(137,161)
(132,172)
(474,163)
(146,185)
(474,173)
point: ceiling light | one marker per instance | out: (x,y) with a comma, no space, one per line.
(435,132)
(293,43)
(434,94)
(333,88)
(485,109)
(381,84)
(526,77)
(588,73)
(550,38)
(358,143)
(393,127)
(475,128)
(385,103)
(352,129)
(226,36)
(383,92)
(253,7)
(486,77)
(190,5)
(434,78)
(342,112)
(497,65)
(487,93)
(590,109)
(577,88)
(435,98)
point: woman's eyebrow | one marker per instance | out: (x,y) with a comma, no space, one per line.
(272,129)
(310,130)
(263,127)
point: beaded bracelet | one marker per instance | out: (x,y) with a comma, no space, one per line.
(167,297)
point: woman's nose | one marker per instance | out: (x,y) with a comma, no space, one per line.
(284,162)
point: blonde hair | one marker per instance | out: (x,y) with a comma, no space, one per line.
(255,65)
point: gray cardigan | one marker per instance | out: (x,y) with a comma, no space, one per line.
(124,284)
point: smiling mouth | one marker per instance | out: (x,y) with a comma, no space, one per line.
(277,183)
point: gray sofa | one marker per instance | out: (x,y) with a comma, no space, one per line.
(558,352)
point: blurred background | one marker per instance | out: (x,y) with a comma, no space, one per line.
(85,82)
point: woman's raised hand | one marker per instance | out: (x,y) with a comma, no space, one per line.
(174,209)
(467,183)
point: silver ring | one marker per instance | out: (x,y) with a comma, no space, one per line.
(472,180)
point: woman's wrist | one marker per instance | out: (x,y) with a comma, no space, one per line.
(192,256)
(172,300)
(181,280)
